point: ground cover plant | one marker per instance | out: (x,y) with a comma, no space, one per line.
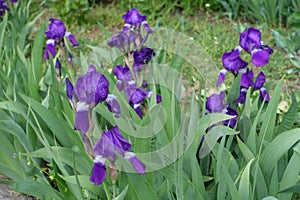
(144,114)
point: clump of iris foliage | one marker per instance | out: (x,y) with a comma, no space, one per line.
(73,129)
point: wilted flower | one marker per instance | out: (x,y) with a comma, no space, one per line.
(110,142)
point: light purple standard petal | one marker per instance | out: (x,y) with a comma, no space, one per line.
(247,79)
(214,103)
(263,95)
(260,81)
(71,39)
(250,39)
(82,121)
(260,57)
(98,175)
(233,62)
(50,48)
(69,88)
(56,29)
(136,163)
(221,77)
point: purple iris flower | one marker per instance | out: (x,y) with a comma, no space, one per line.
(233,63)
(142,57)
(121,41)
(247,81)
(110,142)
(90,89)
(250,41)
(133,19)
(55,33)
(4,7)
(113,105)
(56,30)
(214,104)
(258,85)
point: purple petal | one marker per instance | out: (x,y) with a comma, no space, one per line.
(57,64)
(120,41)
(264,95)
(146,27)
(14,1)
(69,88)
(102,90)
(138,96)
(231,122)
(260,57)
(82,121)
(56,29)
(136,163)
(221,77)
(123,73)
(133,17)
(214,103)
(98,173)
(109,142)
(242,97)
(247,79)
(50,48)
(138,111)
(260,81)
(71,39)
(250,39)
(232,61)
(113,105)
(92,88)
(158,99)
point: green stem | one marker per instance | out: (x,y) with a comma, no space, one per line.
(114,190)
(107,192)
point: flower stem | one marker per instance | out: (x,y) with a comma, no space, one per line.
(114,190)
(107,192)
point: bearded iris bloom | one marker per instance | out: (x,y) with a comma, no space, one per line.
(133,19)
(90,89)
(4,7)
(142,57)
(247,81)
(105,148)
(55,35)
(250,41)
(214,104)
(233,63)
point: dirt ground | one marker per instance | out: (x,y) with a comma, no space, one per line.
(7,194)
